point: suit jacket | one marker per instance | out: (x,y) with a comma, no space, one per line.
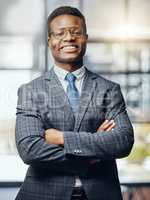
(43,104)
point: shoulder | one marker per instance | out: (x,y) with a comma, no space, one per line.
(36,84)
(102,81)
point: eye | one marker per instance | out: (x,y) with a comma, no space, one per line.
(76,32)
(59,34)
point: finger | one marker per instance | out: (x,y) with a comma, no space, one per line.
(108,124)
(110,128)
(101,127)
(105,125)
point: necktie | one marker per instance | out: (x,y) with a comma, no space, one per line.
(72,92)
(73,96)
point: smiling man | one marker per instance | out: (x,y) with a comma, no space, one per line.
(71,124)
(67,40)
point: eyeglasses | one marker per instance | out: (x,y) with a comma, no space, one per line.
(63,33)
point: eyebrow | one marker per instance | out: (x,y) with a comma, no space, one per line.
(62,28)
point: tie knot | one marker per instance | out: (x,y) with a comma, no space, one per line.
(70,77)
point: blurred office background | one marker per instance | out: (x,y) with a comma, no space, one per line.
(118,48)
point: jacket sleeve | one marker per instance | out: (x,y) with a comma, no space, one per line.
(104,145)
(30,141)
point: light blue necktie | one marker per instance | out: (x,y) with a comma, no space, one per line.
(72,92)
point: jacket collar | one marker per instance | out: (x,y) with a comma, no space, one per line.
(51,74)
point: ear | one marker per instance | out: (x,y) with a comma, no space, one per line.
(49,41)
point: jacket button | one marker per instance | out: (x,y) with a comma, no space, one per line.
(75,151)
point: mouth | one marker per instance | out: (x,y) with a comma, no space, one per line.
(69,48)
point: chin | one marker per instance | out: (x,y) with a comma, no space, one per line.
(70,59)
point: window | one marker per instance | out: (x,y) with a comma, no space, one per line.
(22,50)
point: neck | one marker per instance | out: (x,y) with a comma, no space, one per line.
(70,67)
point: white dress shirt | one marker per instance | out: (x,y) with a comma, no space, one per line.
(79,73)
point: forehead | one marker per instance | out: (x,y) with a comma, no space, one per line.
(66,21)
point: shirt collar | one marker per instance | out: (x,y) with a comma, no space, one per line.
(79,73)
(61,73)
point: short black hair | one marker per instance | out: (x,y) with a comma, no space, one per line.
(64,10)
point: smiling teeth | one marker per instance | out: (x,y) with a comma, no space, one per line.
(69,47)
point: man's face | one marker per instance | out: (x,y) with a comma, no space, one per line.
(67,39)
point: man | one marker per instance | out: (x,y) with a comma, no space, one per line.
(71,123)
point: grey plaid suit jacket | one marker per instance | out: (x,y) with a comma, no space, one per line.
(43,104)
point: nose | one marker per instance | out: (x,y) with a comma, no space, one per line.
(69,36)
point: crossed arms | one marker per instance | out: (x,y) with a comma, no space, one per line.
(36,145)
(54,136)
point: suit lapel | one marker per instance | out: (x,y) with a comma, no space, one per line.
(88,89)
(57,95)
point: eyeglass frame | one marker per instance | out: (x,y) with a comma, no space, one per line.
(71,31)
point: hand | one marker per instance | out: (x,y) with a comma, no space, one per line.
(106,126)
(54,136)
